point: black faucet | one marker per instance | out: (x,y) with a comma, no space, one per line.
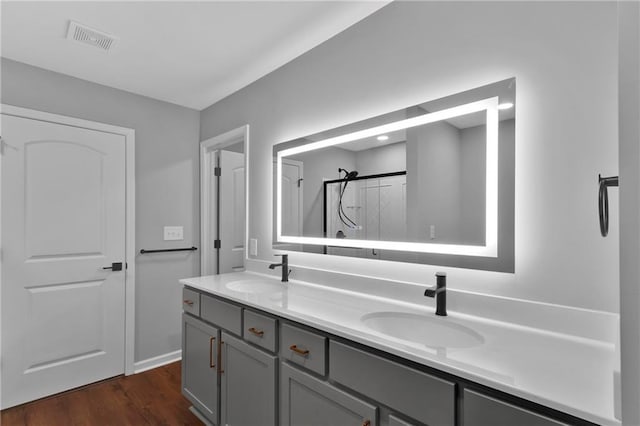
(440,293)
(285,267)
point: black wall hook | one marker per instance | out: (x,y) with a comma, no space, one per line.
(603,201)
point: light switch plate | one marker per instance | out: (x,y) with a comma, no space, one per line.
(253,247)
(173,233)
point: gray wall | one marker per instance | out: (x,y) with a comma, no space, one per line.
(563,55)
(433,182)
(167,188)
(473,183)
(384,159)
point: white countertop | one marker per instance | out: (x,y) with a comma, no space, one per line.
(574,375)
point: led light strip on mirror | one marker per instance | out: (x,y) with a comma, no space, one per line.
(490,249)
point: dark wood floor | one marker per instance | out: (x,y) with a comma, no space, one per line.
(149,398)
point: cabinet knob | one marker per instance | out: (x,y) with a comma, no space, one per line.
(188,302)
(301,352)
(366,422)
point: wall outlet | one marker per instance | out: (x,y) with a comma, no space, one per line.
(253,247)
(432,232)
(173,233)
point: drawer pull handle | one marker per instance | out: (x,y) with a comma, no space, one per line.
(211,363)
(257,332)
(367,422)
(188,302)
(296,349)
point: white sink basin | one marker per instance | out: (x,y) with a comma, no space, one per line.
(435,332)
(256,286)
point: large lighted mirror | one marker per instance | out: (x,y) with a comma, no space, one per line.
(432,183)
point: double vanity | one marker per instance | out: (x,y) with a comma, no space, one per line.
(260,351)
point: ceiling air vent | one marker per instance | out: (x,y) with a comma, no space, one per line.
(91,36)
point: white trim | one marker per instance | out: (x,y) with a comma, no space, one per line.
(207,149)
(130,255)
(489,249)
(246,194)
(157,361)
(200,416)
(629,199)
(300,166)
(130,220)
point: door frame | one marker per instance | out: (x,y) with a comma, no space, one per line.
(207,214)
(629,166)
(130,223)
(288,246)
(300,166)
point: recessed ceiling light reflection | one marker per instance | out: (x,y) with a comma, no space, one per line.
(383,138)
(505,105)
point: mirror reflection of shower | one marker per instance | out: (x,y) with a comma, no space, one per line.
(342,215)
(374,203)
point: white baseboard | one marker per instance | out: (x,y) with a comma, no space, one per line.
(157,361)
(200,416)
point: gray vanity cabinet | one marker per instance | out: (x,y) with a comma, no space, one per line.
(482,410)
(306,400)
(248,380)
(228,381)
(199,374)
(241,366)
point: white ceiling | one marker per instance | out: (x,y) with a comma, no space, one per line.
(188,53)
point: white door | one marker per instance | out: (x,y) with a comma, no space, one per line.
(231,201)
(292,200)
(63,221)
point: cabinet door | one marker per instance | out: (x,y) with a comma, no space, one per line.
(247,384)
(481,410)
(199,374)
(305,400)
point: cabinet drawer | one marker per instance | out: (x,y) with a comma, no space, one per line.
(418,395)
(191,301)
(223,314)
(303,348)
(480,410)
(260,330)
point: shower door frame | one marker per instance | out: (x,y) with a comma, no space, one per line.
(329,182)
